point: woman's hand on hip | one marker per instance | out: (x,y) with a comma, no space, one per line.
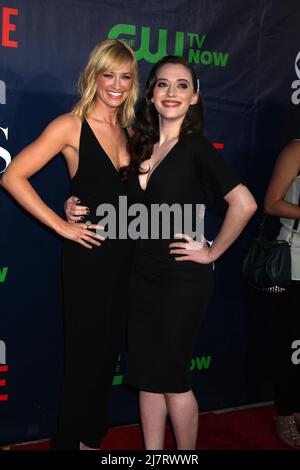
(191,250)
(81,233)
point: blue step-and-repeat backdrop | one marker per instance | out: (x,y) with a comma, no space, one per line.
(247,56)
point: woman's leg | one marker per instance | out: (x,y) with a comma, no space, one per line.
(92,344)
(295,373)
(287,381)
(82,446)
(153,412)
(183,411)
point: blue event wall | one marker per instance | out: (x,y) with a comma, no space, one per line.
(249,78)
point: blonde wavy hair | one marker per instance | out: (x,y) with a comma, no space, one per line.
(107,55)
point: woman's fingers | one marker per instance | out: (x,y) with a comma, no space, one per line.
(73,219)
(178,245)
(195,246)
(180,252)
(87,235)
(88,230)
(90,240)
(184,236)
(96,227)
(75,200)
(94,235)
(82,242)
(89,225)
(75,210)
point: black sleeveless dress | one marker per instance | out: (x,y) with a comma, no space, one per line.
(95,294)
(168,298)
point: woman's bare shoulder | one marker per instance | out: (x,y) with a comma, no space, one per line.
(290,155)
(66,122)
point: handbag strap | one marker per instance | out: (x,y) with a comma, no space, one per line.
(262,226)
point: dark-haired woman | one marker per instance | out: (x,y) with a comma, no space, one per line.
(171,282)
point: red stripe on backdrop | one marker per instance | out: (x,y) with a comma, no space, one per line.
(218,146)
(3,397)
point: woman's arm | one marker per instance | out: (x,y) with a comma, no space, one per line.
(241,206)
(55,138)
(285,171)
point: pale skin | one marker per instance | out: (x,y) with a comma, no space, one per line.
(62,135)
(285,171)
(172,96)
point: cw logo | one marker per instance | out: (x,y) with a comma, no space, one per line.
(143,52)
(195,43)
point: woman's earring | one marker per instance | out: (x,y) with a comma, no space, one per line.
(198,85)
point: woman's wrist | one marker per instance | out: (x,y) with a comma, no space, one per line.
(60,226)
(213,253)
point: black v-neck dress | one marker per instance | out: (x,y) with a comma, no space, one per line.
(168,298)
(95,293)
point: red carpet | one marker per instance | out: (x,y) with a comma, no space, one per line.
(247,429)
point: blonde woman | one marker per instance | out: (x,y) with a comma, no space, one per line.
(93,140)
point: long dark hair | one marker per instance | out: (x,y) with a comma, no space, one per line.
(146,127)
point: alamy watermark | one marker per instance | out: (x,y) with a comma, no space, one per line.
(156,221)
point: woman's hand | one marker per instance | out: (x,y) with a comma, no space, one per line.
(191,250)
(74,212)
(81,233)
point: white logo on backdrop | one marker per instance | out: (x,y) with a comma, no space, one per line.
(296,83)
(2,92)
(4,154)
(2,352)
(296,354)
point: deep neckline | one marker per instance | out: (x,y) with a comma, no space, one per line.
(117,171)
(157,166)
